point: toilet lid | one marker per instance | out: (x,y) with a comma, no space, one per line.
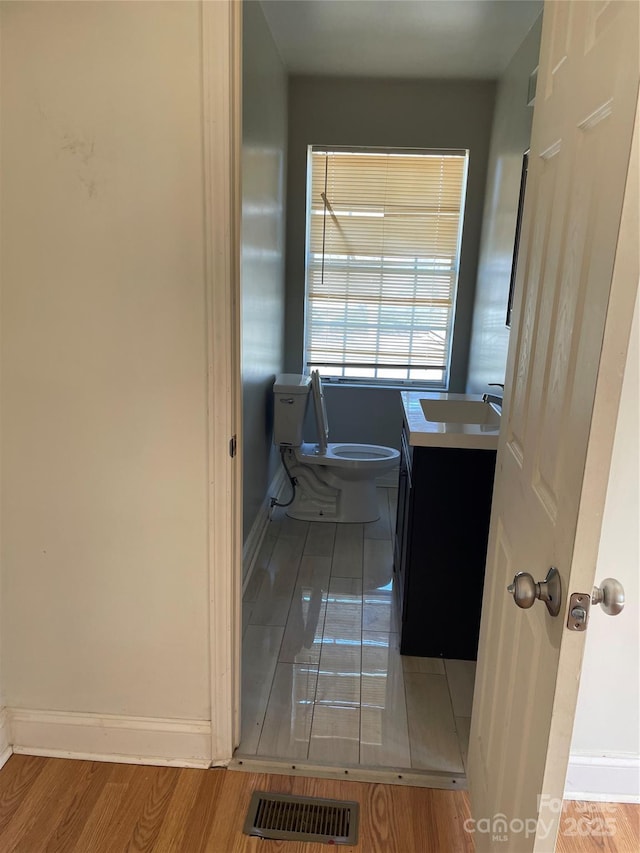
(322,424)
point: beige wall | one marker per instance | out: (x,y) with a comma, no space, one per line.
(104,529)
(264,152)
(509,140)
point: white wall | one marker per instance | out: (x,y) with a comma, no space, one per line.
(264,157)
(104,528)
(606,732)
(509,140)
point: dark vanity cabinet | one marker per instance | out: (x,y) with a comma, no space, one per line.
(442,526)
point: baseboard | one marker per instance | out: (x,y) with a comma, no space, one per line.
(252,545)
(103,737)
(603,778)
(5,749)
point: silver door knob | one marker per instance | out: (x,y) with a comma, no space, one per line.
(525,590)
(609,595)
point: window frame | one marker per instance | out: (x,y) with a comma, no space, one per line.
(415,384)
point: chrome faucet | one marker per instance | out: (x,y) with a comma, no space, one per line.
(494,398)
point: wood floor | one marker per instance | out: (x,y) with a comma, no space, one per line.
(59,806)
(323,679)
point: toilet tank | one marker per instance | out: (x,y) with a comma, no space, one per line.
(291,396)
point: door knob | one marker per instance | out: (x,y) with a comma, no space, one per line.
(609,595)
(525,590)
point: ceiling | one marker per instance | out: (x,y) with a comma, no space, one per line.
(399,38)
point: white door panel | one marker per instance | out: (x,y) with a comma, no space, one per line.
(549,492)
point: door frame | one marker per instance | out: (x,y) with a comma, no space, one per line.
(222,200)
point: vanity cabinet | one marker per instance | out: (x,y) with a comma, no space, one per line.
(442,526)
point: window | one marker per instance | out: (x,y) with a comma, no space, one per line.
(383,250)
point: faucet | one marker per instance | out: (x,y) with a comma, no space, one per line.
(494,398)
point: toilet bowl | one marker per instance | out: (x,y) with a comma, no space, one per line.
(334,482)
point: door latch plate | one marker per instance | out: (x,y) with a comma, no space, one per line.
(579,606)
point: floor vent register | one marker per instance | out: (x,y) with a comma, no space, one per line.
(287,818)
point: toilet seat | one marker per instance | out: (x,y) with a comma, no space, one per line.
(353,456)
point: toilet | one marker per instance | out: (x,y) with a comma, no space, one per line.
(334,482)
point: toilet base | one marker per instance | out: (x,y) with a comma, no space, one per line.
(355,502)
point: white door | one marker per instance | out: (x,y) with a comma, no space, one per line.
(567,350)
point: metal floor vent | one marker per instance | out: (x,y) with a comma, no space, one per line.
(287,818)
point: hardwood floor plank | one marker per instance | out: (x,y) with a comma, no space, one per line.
(61,800)
(231,808)
(608,827)
(203,811)
(18,775)
(175,821)
(102,817)
(86,794)
(147,827)
(21,832)
(445,816)
(139,789)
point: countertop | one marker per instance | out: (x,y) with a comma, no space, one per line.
(424,433)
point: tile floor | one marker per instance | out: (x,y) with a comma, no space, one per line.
(323,679)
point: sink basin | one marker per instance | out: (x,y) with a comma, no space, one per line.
(460,412)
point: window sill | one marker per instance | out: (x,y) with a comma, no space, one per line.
(382,386)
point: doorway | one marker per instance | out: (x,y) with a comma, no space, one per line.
(276,674)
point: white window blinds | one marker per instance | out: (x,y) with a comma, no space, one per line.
(383,247)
